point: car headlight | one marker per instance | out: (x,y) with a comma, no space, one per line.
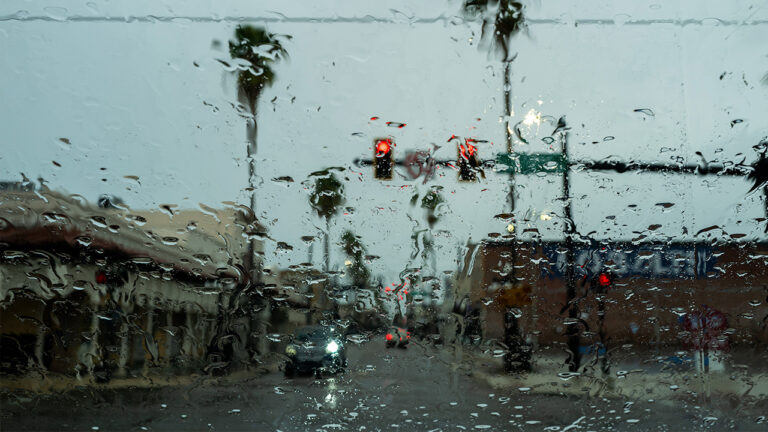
(290,350)
(332,347)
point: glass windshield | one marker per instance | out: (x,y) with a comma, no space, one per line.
(314,333)
(478,214)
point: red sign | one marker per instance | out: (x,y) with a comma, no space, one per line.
(705,329)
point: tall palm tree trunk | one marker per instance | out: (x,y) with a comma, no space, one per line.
(507,127)
(515,359)
(253,269)
(508,98)
(327,251)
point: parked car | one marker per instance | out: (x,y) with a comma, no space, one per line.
(315,349)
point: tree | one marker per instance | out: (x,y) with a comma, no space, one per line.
(430,202)
(256,50)
(759,174)
(253,51)
(503,19)
(326,199)
(355,250)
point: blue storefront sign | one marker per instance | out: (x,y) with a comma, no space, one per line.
(677,261)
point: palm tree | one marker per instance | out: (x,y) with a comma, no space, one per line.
(326,199)
(507,21)
(429,203)
(759,174)
(355,250)
(259,49)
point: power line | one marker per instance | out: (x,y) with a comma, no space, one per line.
(367,19)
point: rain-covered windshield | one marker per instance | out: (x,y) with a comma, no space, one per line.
(313,333)
(491,214)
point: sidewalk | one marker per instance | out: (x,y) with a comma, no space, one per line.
(667,378)
(54,383)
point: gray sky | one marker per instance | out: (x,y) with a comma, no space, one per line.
(144,96)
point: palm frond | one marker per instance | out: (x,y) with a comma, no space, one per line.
(261,49)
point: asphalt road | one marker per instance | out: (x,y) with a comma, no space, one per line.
(413,389)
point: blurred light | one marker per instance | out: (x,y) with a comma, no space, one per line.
(347,263)
(532,117)
(330,400)
(332,347)
(604,280)
(101,277)
(510,228)
(545,217)
(389,336)
(468,161)
(467,151)
(290,350)
(382,147)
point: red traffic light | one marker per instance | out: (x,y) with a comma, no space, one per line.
(383,147)
(101,277)
(382,158)
(467,151)
(604,280)
(469,162)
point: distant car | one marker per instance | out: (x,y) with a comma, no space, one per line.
(397,336)
(315,349)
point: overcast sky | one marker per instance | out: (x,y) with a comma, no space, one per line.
(139,94)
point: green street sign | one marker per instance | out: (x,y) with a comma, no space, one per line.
(531,163)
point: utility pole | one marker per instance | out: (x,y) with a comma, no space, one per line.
(569,229)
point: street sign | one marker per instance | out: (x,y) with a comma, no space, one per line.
(418,163)
(531,163)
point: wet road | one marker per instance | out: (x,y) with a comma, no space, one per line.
(419,389)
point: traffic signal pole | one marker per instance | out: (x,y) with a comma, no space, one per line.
(508,135)
(569,229)
(560,163)
(512,337)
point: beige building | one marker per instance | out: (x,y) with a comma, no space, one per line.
(87,290)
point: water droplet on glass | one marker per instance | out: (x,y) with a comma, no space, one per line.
(357,338)
(646,111)
(56,13)
(84,240)
(170,240)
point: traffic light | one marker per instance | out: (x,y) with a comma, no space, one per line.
(602,281)
(382,158)
(101,277)
(110,278)
(469,161)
